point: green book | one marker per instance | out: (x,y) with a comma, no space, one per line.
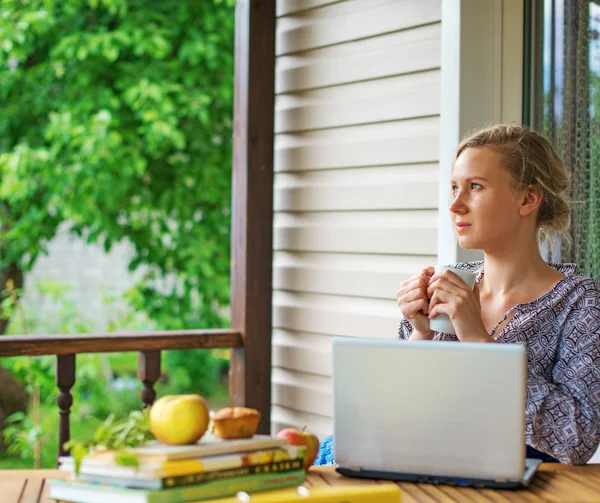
(78,492)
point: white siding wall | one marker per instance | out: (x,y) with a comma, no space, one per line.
(356,192)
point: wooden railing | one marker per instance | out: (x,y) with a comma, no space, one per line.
(148,346)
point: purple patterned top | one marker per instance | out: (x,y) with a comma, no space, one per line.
(561,330)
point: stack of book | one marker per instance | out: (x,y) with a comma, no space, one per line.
(211,468)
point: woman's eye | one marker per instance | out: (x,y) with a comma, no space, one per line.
(475,186)
(454,190)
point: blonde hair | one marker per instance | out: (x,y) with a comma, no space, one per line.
(532,160)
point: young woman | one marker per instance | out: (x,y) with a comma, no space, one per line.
(508,186)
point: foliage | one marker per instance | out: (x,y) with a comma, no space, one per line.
(116,118)
(113,434)
(20,434)
(49,425)
(9,299)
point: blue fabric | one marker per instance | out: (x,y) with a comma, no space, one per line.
(325,456)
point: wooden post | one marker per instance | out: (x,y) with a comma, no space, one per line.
(252,206)
(65,378)
(148,373)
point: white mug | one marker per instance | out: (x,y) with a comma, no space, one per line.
(442,323)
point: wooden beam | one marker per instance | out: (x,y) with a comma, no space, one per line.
(36,345)
(252,206)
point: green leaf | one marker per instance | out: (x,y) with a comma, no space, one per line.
(112,434)
(126,459)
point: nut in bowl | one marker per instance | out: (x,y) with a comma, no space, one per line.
(236,422)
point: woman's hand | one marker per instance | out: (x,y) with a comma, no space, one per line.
(414,304)
(448,294)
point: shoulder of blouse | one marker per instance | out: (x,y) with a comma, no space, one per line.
(576,293)
(575,277)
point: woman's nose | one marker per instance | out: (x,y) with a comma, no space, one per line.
(458,205)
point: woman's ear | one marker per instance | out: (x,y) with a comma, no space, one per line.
(531,201)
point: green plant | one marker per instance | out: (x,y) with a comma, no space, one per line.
(49,425)
(114,434)
(22,435)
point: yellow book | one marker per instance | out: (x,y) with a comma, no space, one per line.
(371,493)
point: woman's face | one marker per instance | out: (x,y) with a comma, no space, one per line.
(485,206)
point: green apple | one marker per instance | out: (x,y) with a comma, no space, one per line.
(179,419)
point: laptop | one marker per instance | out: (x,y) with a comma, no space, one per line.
(426,411)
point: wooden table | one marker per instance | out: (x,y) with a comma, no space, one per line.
(554,483)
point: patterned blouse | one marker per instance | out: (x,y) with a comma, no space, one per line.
(561,330)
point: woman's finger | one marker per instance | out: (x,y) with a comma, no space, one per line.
(439,297)
(433,301)
(419,283)
(446,286)
(440,303)
(440,308)
(412,295)
(415,283)
(414,278)
(428,271)
(451,304)
(413,308)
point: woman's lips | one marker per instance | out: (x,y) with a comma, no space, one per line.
(462,227)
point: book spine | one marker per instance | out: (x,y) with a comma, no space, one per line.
(242,471)
(192,466)
(227,487)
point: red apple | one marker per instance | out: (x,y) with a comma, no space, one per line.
(305,438)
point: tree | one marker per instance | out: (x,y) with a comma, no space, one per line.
(117,120)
